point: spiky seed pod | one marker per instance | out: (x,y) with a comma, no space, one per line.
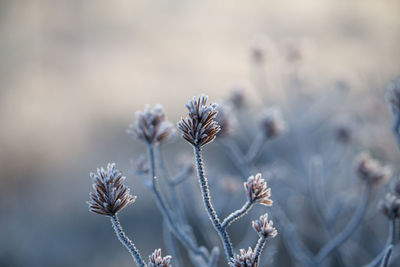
(263,227)
(257,190)
(370,169)
(156,260)
(392,96)
(272,123)
(244,259)
(237,98)
(224,120)
(200,127)
(151,125)
(110,196)
(390,206)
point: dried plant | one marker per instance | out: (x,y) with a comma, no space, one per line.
(264,227)
(390,206)
(244,259)
(200,127)
(151,125)
(257,190)
(272,123)
(110,195)
(370,169)
(156,260)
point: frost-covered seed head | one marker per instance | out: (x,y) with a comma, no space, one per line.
(263,227)
(392,96)
(156,260)
(370,169)
(272,123)
(390,206)
(200,127)
(110,196)
(244,259)
(257,190)
(151,125)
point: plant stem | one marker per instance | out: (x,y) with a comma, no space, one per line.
(178,231)
(258,249)
(209,207)
(255,148)
(237,214)
(348,230)
(126,242)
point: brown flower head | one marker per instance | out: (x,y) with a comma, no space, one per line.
(200,127)
(110,196)
(264,228)
(390,206)
(257,190)
(225,120)
(272,123)
(370,169)
(244,259)
(156,260)
(151,125)
(392,96)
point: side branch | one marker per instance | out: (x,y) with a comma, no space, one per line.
(237,214)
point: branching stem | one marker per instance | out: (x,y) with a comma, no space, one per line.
(237,214)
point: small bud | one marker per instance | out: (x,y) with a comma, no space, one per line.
(151,126)
(263,227)
(257,190)
(244,259)
(272,123)
(371,170)
(390,206)
(110,195)
(200,127)
(156,260)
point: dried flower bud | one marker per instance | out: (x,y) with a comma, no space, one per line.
(343,133)
(370,169)
(110,195)
(237,98)
(225,120)
(392,96)
(263,227)
(155,260)
(391,206)
(272,123)
(257,190)
(244,259)
(200,127)
(151,126)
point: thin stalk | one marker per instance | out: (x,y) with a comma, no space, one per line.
(166,212)
(386,258)
(237,214)
(348,230)
(223,234)
(126,241)
(170,243)
(258,249)
(255,147)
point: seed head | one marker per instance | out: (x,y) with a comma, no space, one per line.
(257,190)
(392,96)
(151,126)
(244,259)
(155,260)
(370,169)
(110,196)
(200,127)
(272,123)
(264,228)
(390,206)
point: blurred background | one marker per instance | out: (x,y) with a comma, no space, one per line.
(72,74)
